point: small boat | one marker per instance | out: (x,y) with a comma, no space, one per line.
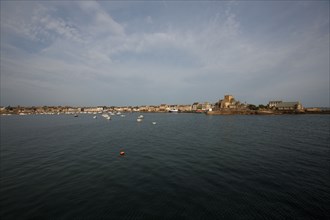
(122,116)
(94,116)
(106,116)
(141,116)
(139,119)
(154,122)
(174,110)
(75,115)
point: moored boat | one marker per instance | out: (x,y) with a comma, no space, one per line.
(106,116)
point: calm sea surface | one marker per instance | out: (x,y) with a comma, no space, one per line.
(187,166)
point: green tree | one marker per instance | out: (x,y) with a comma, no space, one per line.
(252,107)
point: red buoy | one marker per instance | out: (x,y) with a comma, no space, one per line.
(122,153)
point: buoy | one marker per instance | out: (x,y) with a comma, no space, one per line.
(122,153)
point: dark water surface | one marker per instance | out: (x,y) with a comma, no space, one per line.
(187,166)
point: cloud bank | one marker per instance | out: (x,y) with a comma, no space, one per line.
(134,53)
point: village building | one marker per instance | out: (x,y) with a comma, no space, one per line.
(206,106)
(228,102)
(289,106)
(93,109)
(163,107)
(194,106)
(69,110)
(280,105)
(273,104)
(143,108)
(136,109)
(173,107)
(184,108)
(151,108)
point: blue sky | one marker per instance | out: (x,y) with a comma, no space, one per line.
(87,53)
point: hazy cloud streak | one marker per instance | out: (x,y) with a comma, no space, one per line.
(96,50)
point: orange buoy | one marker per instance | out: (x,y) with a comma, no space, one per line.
(122,153)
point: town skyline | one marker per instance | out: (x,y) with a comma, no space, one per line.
(206,102)
(110,53)
(168,105)
(226,106)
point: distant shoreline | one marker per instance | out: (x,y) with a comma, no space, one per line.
(216,112)
(265,112)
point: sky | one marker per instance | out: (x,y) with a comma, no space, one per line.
(89,53)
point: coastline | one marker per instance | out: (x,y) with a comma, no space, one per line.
(264,112)
(214,112)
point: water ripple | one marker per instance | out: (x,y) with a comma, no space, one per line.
(188,166)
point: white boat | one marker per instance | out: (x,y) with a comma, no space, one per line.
(139,119)
(106,116)
(141,116)
(94,116)
(122,116)
(174,110)
(154,122)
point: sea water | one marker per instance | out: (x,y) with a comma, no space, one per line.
(187,166)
